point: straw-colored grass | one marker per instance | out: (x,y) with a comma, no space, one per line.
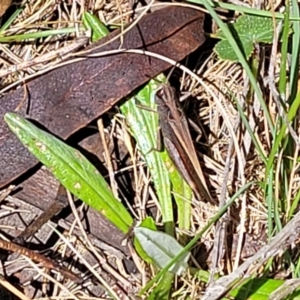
(230,159)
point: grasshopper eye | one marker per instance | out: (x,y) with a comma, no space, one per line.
(160,93)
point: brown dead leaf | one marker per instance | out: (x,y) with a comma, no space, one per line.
(4,5)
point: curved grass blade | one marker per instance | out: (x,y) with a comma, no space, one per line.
(72,170)
(99,30)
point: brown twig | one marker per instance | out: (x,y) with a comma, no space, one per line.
(34,256)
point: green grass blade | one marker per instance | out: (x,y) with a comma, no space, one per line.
(198,236)
(243,9)
(10,20)
(284,48)
(249,130)
(242,60)
(183,196)
(163,288)
(72,170)
(99,30)
(269,196)
(257,288)
(295,49)
(279,137)
(35,35)
(144,124)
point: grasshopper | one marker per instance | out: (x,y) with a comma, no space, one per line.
(178,142)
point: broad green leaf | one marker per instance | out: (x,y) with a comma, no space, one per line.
(99,30)
(258,29)
(225,51)
(162,248)
(72,170)
(247,30)
(260,289)
(143,122)
(254,28)
(203,275)
(149,223)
